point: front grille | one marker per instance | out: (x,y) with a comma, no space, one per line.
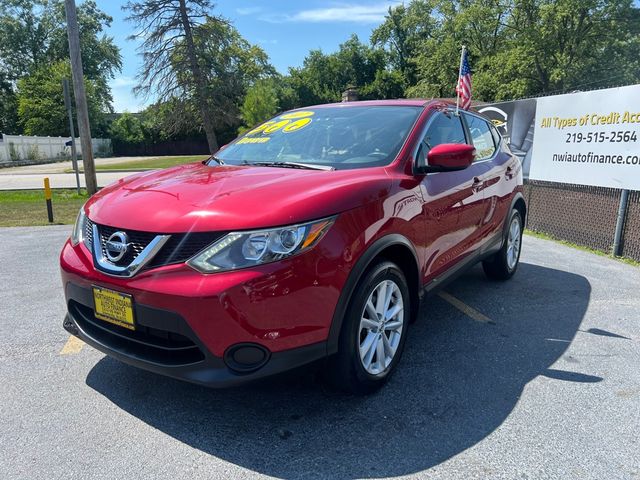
(137,242)
(147,343)
(178,249)
(88,234)
(181,247)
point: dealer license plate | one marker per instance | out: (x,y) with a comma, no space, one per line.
(114,307)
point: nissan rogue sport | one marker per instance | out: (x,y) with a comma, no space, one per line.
(313,236)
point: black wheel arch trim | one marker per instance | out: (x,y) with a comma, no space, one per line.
(518,196)
(356,275)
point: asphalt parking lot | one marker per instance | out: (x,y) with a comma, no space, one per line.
(534,378)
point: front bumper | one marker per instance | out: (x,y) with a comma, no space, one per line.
(193,321)
(163,343)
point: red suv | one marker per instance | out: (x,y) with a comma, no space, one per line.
(313,236)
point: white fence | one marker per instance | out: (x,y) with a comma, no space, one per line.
(19,148)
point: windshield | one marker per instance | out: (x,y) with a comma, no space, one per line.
(336,137)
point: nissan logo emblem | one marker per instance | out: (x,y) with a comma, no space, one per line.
(116,247)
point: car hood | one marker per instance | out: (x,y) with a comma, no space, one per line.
(197,197)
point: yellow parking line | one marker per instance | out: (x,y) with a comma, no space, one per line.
(464,308)
(73,345)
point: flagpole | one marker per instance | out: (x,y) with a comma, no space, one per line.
(458,84)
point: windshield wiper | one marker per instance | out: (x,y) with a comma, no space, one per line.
(219,160)
(308,166)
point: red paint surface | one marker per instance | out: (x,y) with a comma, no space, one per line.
(446,216)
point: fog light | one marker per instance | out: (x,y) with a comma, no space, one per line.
(246,357)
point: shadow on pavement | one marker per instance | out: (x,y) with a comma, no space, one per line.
(457,383)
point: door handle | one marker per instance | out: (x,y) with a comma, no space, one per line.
(477,184)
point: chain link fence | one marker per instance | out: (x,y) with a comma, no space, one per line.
(583,215)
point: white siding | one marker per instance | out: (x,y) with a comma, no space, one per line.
(45,148)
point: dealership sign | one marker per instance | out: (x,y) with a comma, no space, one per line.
(589,138)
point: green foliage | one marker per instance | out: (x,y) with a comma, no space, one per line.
(152,163)
(14,154)
(210,79)
(27,207)
(517,48)
(197,63)
(231,65)
(265,98)
(173,119)
(386,84)
(33,38)
(323,78)
(104,150)
(33,33)
(260,103)
(33,153)
(8,111)
(201,59)
(127,128)
(401,34)
(41,109)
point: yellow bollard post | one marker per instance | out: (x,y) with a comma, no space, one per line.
(47,197)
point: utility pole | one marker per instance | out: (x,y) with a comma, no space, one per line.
(67,104)
(81,97)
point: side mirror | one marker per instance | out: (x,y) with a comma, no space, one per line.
(449,157)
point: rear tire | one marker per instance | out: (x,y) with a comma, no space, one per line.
(374,331)
(504,263)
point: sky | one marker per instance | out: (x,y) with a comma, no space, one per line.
(285,29)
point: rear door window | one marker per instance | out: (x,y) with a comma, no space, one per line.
(481,137)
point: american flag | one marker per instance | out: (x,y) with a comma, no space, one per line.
(463,89)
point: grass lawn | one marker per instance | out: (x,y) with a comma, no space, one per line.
(148,164)
(545,236)
(24,208)
(153,163)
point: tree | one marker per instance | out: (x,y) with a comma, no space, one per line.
(8,108)
(522,48)
(402,32)
(41,109)
(231,65)
(323,78)
(33,34)
(26,28)
(171,65)
(260,104)
(33,40)
(189,53)
(175,118)
(567,44)
(265,98)
(127,128)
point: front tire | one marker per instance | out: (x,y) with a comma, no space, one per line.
(504,263)
(374,330)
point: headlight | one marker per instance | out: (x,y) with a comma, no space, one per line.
(247,249)
(77,234)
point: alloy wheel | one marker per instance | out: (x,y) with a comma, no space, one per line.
(513,243)
(381,327)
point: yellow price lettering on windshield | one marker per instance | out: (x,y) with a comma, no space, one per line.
(289,122)
(294,115)
(275,127)
(253,140)
(297,125)
(261,128)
